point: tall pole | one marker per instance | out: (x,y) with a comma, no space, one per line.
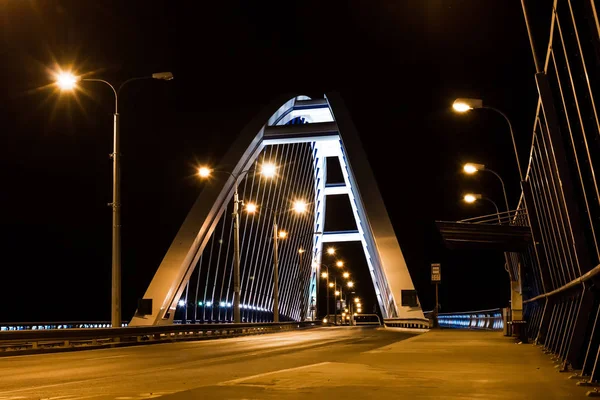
(437,305)
(503,187)
(301,284)
(327,292)
(116,222)
(275,271)
(236,255)
(335,300)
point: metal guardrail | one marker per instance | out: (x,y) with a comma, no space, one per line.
(31,341)
(39,326)
(483,319)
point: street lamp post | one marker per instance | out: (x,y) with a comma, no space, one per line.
(301,284)
(471,198)
(326,275)
(299,207)
(68,81)
(471,168)
(268,171)
(464,105)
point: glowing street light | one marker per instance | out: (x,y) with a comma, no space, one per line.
(301,251)
(268,170)
(339,264)
(300,206)
(331,251)
(356,299)
(463,105)
(251,208)
(358,305)
(359,310)
(325,275)
(473,197)
(337,292)
(346,275)
(350,284)
(67,81)
(204,172)
(331,284)
(471,168)
(282,234)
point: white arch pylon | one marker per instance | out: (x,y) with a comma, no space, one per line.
(332,133)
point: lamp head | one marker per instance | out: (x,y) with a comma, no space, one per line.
(165,76)
(268,170)
(251,208)
(463,104)
(331,251)
(300,206)
(471,197)
(471,168)
(204,172)
(282,234)
(66,80)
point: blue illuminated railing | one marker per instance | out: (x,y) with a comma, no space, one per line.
(43,326)
(482,319)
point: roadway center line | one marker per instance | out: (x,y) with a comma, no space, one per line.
(247,378)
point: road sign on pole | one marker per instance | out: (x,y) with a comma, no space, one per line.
(436,277)
(436,273)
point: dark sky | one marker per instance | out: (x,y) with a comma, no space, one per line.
(397,64)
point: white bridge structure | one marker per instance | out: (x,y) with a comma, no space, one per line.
(297,134)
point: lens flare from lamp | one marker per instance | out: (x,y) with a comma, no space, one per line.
(350,284)
(66,80)
(331,251)
(470,198)
(204,172)
(251,208)
(324,275)
(461,107)
(268,170)
(282,234)
(470,168)
(339,264)
(300,206)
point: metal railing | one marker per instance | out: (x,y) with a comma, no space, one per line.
(40,326)
(31,341)
(482,319)
(513,217)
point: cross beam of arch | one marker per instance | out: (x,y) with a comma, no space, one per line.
(299,134)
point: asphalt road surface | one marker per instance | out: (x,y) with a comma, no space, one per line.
(220,368)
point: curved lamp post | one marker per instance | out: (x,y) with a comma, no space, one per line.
(462,105)
(472,198)
(472,168)
(68,81)
(267,170)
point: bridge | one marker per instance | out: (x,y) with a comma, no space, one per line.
(235,309)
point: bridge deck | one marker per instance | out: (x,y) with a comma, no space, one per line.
(322,363)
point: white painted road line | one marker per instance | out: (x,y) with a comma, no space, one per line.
(247,378)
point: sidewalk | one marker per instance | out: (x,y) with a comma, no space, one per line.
(461,364)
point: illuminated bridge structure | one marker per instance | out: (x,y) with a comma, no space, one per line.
(300,136)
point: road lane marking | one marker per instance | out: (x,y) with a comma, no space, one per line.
(106,357)
(247,378)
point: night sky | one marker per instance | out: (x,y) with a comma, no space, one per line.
(398,65)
